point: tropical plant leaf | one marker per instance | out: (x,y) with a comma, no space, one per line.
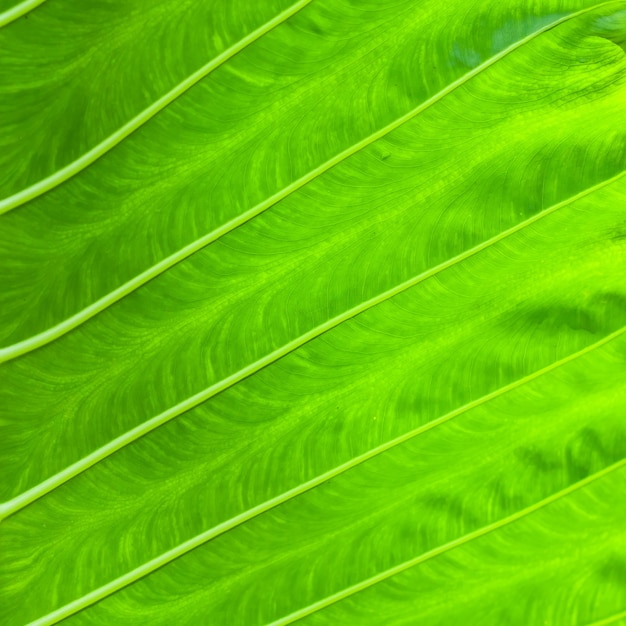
(313,312)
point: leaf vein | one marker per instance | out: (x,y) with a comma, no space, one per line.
(189,545)
(41,339)
(610,620)
(451,545)
(67,172)
(38,491)
(12,14)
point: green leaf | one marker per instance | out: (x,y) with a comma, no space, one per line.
(313,312)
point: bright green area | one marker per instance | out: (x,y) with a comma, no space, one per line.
(336,334)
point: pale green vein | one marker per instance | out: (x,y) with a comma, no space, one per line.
(36,492)
(113,140)
(481,532)
(610,620)
(41,339)
(183,548)
(17,11)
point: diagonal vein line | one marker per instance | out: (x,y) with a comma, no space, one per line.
(183,548)
(10,15)
(610,620)
(45,337)
(36,492)
(481,532)
(67,172)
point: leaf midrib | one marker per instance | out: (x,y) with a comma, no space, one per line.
(23,347)
(19,502)
(189,545)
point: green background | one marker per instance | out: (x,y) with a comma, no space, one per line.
(314,312)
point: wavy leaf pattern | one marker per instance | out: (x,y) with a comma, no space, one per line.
(313,312)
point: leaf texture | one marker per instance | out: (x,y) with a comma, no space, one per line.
(313,312)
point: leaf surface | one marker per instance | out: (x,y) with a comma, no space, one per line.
(335,333)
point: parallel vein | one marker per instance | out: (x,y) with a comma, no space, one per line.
(185,547)
(11,352)
(10,15)
(36,492)
(612,619)
(119,135)
(481,532)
